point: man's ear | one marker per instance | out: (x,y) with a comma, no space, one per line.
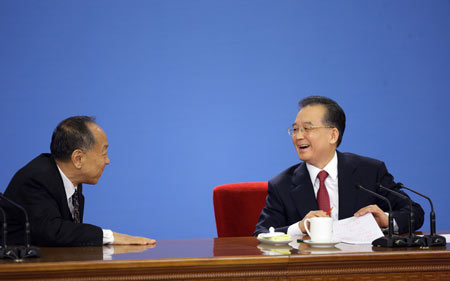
(334,135)
(77,158)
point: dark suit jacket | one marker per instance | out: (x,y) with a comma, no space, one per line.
(291,194)
(39,188)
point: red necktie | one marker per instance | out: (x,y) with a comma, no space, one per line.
(323,200)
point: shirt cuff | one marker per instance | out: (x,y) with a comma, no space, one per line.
(395,225)
(108,237)
(294,230)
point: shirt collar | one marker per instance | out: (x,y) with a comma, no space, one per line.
(330,168)
(68,185)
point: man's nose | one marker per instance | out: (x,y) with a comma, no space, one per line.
(299,135)
(107,160)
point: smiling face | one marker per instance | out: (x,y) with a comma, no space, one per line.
(314,142)
(95,159)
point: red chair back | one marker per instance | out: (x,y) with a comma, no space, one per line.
(237,207)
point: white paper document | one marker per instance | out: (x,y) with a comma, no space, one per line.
(447,237)
(357,230)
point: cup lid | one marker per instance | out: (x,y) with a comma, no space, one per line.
(271,233)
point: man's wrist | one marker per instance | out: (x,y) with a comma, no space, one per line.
(294,229)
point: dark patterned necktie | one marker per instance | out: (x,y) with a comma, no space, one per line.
(76,207)
(323,200)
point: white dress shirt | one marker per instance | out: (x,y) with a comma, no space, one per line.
(108,237)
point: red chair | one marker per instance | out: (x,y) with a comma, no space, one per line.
(237,207)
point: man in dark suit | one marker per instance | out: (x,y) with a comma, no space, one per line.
(50,189)
(325,181)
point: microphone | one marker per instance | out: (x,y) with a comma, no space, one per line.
(27,250)
(5,251)
(390,241)
(432,239)
(413,240)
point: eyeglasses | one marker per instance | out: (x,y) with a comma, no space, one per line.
(294,131)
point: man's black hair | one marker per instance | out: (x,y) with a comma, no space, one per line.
(334,116)
(71,134)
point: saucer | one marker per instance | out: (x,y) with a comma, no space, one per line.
(273,242)
(321,244)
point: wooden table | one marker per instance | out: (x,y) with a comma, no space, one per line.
(231,259)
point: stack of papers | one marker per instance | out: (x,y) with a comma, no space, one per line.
(357,230)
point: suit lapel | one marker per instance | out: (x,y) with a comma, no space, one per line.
(347,177)
(302,191)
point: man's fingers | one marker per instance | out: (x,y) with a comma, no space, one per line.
(311,214)
(125,239)
(368,209)
(377,213)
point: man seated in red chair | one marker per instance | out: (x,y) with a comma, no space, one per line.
(326,178)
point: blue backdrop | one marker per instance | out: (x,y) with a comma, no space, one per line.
(194,94)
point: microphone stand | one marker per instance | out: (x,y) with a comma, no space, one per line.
(390,241)
(412,240)
(5,232)
(27,250)
(432,239)
(5,251)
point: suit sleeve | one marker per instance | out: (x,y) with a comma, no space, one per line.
(273,214)
(400,207)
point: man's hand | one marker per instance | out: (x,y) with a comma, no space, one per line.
(309,215)
(378,214)
(125,239)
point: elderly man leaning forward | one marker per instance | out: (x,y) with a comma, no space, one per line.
(50,189)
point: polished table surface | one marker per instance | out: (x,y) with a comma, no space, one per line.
(240,258)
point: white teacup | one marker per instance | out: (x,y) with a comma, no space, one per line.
(320,230)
